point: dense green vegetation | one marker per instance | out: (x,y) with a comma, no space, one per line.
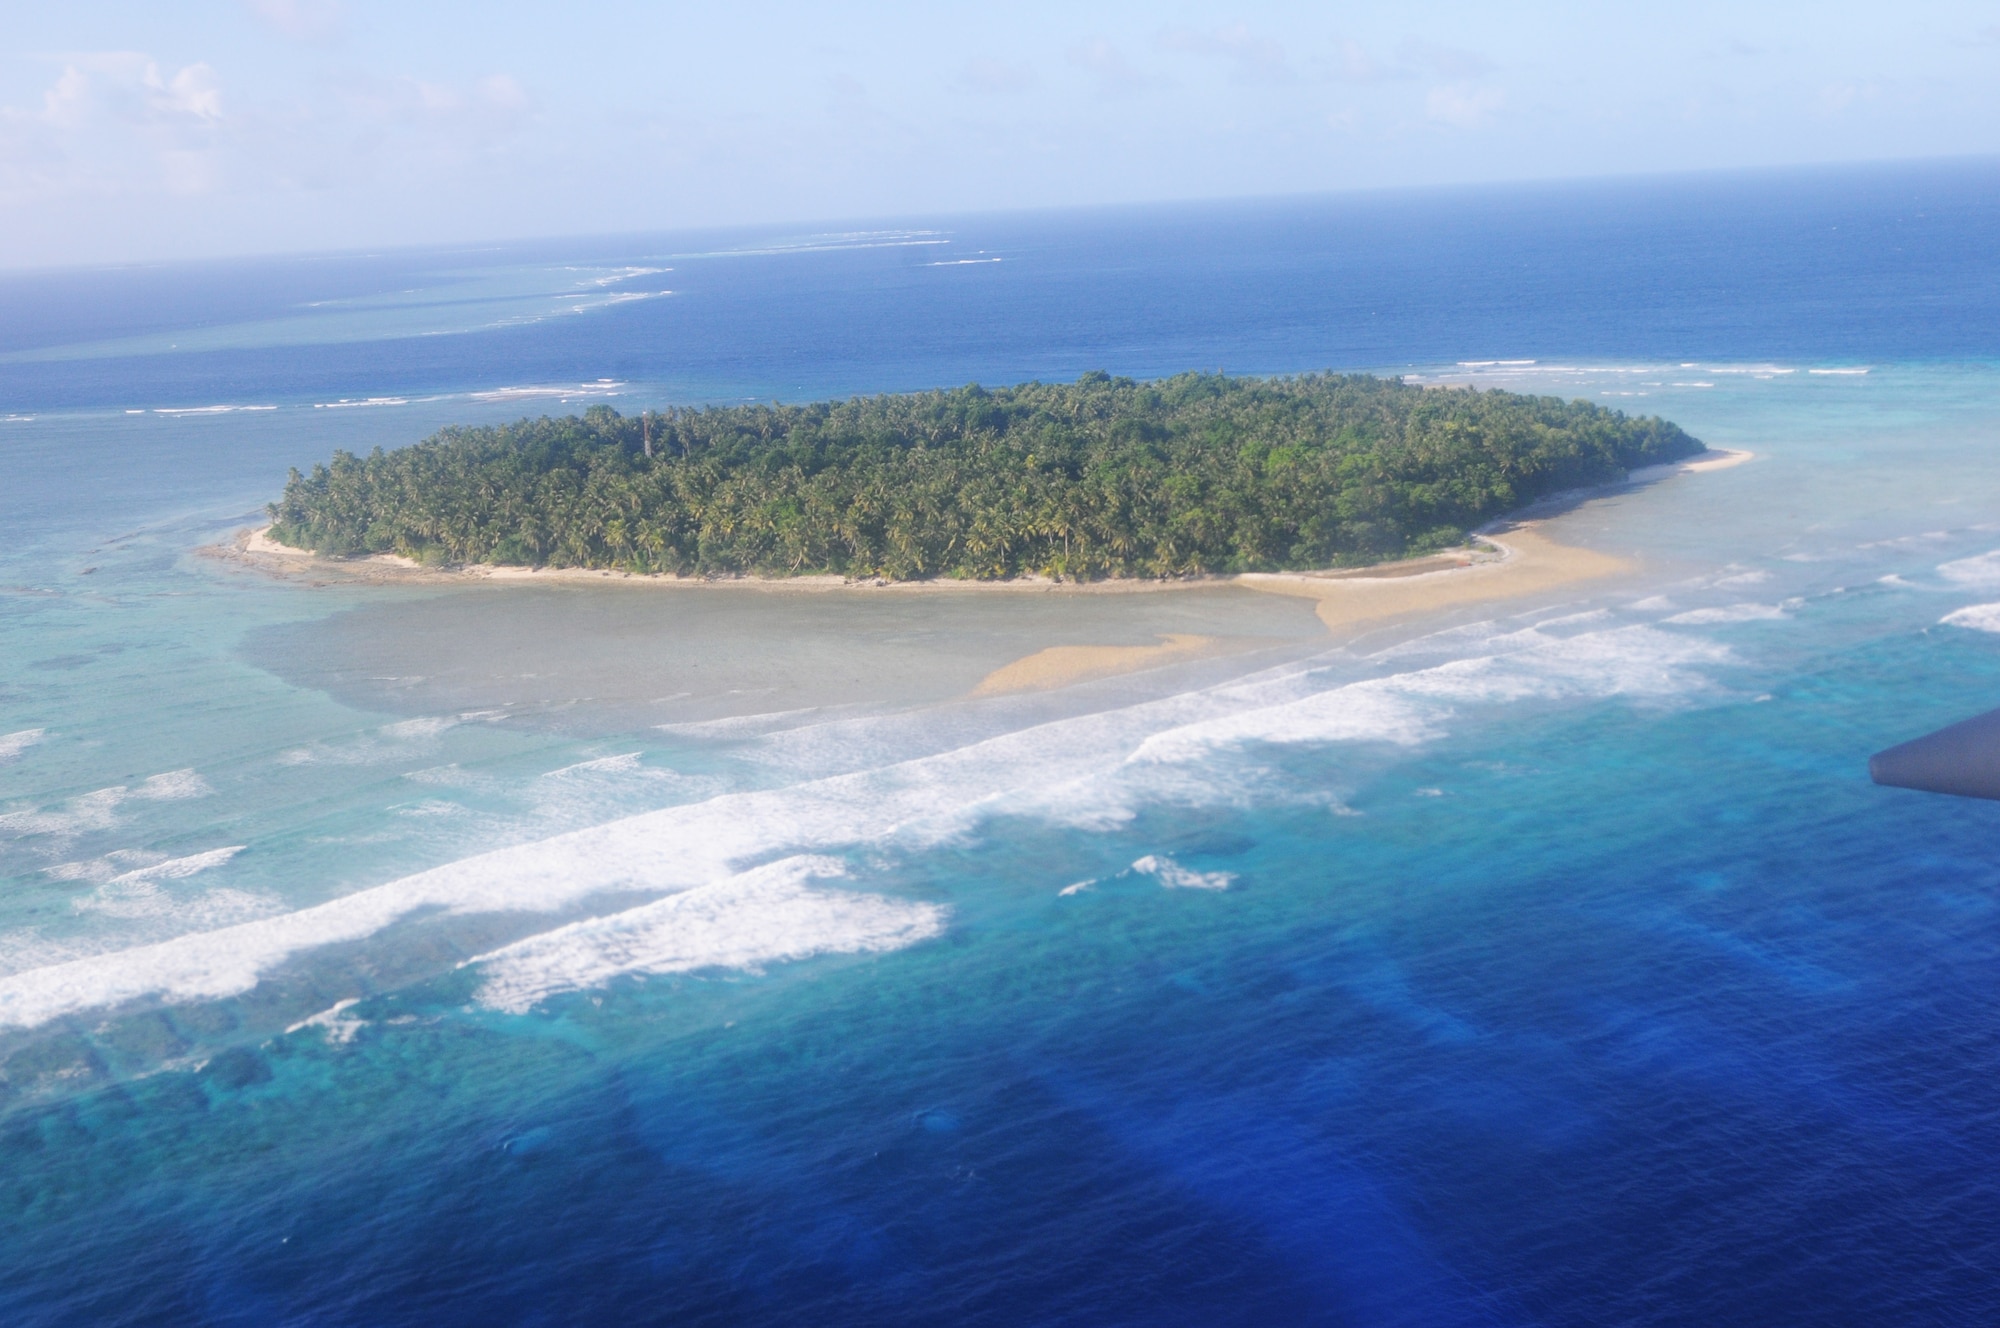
(1103,477)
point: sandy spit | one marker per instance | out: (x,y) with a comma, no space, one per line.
(1529,563)
(1059,666)
(1715,458)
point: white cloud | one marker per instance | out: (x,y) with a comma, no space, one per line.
(192,92)
(503,92)
(301,20)
(1113,72)
(1257,59)
(995,77)
(67,104)
(125,125)
(1447,61)
(115,122)
(1351,63)
(128,86)
(1837,97)
(1465,105)
(485,112)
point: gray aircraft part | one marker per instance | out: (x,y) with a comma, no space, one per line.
(1963,759)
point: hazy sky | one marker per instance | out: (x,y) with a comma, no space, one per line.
(138,130)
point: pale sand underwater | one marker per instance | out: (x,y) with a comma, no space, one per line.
(1060,666)
(1715,459)
(582,649)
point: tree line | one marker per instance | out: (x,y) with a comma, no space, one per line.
(1105,476)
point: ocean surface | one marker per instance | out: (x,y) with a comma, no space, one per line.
(383,955)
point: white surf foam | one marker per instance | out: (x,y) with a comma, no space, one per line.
(172,786)
(626,764)
(134,864)
(450,776)
(676,849)
(1730,613)
(144,900)
(137,894)
(1092,771)
(1980,570)
(1978,617)
(340,1026)
(98,810)
(174,869)
(602,388)
(1176,877)
(392,742)
(13,744)
(766,916)
(432,807)
(1411,708)
(95,811)
(206,410)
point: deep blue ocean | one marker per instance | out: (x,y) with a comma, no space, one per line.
(1554,964)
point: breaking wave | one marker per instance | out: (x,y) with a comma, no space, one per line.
(765,916)
(1176,877)
(1978,617)
(1092,770)
(1980,570)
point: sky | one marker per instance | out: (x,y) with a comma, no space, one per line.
(139,131)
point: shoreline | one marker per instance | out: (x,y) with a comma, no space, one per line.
(1510,559)
(1529,563)
(255,548)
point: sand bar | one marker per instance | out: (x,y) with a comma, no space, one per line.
(1529,564)
(1059,666)
(1715,458)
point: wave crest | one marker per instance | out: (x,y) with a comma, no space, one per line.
(765,916)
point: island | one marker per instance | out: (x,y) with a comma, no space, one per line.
(1106,477)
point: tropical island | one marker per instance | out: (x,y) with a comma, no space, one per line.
(1105,477)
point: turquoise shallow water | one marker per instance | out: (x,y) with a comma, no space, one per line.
(1558,965)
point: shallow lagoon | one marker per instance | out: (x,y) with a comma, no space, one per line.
(617,658)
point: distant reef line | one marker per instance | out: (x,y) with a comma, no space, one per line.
(1195,475)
